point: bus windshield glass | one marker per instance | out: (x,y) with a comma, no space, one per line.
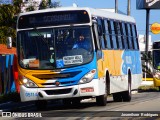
(53,48)
(156,60)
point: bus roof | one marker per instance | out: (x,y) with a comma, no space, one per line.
(91,11)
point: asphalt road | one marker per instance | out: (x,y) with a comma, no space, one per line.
(143,105)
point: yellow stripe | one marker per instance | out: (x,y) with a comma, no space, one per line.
(147,79)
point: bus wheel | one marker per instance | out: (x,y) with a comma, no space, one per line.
(41,104)
(126,95)
(117,97)
(102,99)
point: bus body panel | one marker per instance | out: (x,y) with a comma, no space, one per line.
(118,63)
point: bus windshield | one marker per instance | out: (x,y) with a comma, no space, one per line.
(53,48)
(156,60)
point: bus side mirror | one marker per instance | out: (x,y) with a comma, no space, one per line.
(9,42)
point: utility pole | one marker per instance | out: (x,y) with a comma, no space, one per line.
(129,8)
(116,6)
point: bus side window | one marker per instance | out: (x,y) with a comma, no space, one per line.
(100,29)
(124,36)
(134,36)
(107,34)
(129,36)
(118,35)
(113,35)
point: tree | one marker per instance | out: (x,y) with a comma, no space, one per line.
(43,4)
(49,4)
(32,6)
(6,22)
(17,5)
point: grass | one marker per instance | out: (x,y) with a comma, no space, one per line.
(14,96)
(148,89)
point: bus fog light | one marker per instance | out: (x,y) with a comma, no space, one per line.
(88,77)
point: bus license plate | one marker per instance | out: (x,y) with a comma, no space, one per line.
(83,90)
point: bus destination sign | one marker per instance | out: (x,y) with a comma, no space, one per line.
(53,19)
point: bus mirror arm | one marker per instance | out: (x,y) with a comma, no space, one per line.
(9,42)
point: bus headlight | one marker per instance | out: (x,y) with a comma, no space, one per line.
(88,77)
(157,75)
(28,83)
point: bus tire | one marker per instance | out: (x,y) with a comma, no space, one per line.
(102,99)
(117,97)
(41,104)
(126,95)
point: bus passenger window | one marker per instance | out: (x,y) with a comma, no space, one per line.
(107,34)
(129,36)
(101,37)
(134,36)
(124,36)
(113,35)
(118,34)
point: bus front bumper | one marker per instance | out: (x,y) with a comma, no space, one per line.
(95,88)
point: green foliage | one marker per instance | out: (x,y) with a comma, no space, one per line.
(48,4)
(17,5)
(7,22)
(43,5)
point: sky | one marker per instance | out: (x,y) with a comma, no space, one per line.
(139,15)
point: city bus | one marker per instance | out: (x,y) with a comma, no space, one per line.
(50,68)
(156,63)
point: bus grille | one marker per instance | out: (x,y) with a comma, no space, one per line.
(58,92)
(62,83)
(56,75)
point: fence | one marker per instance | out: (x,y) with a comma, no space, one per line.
(8,74)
